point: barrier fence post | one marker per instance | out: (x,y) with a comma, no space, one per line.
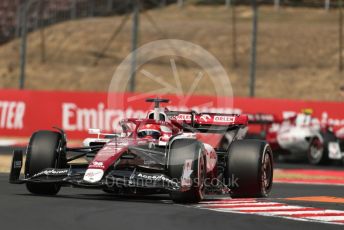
(162,3)
(73,9)
(109,6)
(327,5)
(91,8)
(340,37)
(134,39)
(253,48)
(277,4)
(23,34)
(41,30)
(228,3)
(234,37)
(180,3)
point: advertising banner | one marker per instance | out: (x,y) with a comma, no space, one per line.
(23,112)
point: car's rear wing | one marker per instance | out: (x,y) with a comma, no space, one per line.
(206,121)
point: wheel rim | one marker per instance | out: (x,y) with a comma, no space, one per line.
(266,173)
(316,150)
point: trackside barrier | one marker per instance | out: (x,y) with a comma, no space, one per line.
(23,112)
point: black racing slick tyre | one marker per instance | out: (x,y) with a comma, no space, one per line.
(181,152)
(249,169)
(44,151)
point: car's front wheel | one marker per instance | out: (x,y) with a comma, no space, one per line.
(44,151)
(186,163)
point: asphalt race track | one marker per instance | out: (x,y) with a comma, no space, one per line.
(93,209)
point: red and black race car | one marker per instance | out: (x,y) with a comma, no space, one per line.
(184,154)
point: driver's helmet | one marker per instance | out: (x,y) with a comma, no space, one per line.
(307,111)
(149,130)
(304,118)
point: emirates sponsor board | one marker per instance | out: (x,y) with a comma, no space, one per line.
(23,112)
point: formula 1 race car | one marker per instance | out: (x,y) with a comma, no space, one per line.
(300,137)
(184,154)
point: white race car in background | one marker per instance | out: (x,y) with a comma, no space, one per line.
(303,137)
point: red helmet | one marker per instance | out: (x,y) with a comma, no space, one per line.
(149,130)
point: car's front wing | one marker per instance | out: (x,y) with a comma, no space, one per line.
(75,173)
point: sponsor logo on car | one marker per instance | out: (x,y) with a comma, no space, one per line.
(152,177)
(17,164)
(93,175)
(156,178)
(224,119)
(52,172)
(334,151)
(205,117)
(97,164)
(183,117)
(187,171)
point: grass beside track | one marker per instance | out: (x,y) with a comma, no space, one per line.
(297,51)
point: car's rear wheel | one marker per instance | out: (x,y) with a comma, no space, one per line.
(250,169)
(183,152)
(318,153)
(44,151)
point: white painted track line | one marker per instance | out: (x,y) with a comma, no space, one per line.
(274,209)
